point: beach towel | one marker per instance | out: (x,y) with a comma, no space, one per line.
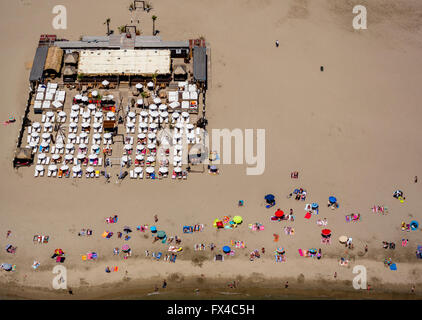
(116,269)
(261,228)
(347,218)
(276,237)
(301,252)
(308,215)
(393,267)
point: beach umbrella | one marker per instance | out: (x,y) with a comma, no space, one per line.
(139,157)
(152,107)
(140,101)
(6,266)
(161,234)
(49,114)
(149,170)
(42,156)
(156,100)
(143,125)
(127,229)
(128,147)
(90,169)
(237,219)
(139,86)
(68,157)
(138,169)
(185,114)
(125,159)
(47,125)
(175,115)
(69,146)
(125,248)
(82,146)
(44,144)
(151,146)
(62,114)
(162,107)
(35,134)
(75,108)
(150,84)
(52,167)
(141,136)
(281,250)
(105,83)
(326,232)
(110,114)
(78,97)
(94,93)
(92,107)
(36,125)
(130,124)
(154,114)
(226,249)
(151,159)
(315,206)
(39,168)
(59,251)
(92,157)
(269,198)
(153,126)
(332,199)
(32,144)
(72,136)
(85,99)
(414,225)
(279,213)
(177,169)
(73,124)
(153,229)
(56,156)
(163,169)
(64,167)
(83,135)
(131,114)
(151,136)
(143,114)
(85,125)
(164,114)
(342,239)
(140,147)
(76,169)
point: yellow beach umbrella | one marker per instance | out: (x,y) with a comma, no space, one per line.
(237,219)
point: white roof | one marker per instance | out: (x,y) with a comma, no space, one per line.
(130,62)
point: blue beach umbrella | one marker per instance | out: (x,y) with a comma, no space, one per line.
(414,225)
(315,205)
(153,229)
(226,249)
(393,267)
(332,199)
(269,198)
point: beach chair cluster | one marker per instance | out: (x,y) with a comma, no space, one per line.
(322,223)
(254,255)
(311,253)
(195,228)
(294,175)
(300,194)
(312,209)
(343,262)
(90,256)
(40,239)
(256,226)
(353,217)
(380,209)
(170,258)
(225,223)
(290,231)
(238,244)
(199,247)
(113,219)
(113,269)
(280,258)
(80,134)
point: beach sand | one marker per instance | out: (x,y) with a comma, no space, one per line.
(351,131)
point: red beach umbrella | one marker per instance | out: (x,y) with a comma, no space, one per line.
(326,232)
(279,213)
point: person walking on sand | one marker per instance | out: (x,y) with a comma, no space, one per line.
(413,289)
(277,43)
(416,179)
(366,248)
(286,285)
(8,234)
(164,284)
(335,275)
(156,218)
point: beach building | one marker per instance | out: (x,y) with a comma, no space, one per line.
(125,101)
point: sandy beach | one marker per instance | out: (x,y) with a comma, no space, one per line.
(351,131)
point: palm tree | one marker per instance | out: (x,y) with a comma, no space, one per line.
(108,25)
(154,78)
(153,24)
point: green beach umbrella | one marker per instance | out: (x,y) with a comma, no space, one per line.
(237,219)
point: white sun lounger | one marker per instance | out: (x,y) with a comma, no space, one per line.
(49,173)
(131,173)
(36,173)
(42,173)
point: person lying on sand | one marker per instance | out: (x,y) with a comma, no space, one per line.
(276,237)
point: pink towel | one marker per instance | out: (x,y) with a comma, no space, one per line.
(261,228)
(300,252)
